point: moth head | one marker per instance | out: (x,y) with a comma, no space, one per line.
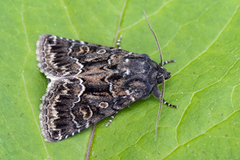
(162,72)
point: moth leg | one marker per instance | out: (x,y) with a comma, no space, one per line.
(170,105)
(118,42)
(170,61)
(110,121)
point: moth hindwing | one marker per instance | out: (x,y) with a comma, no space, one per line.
(89,82)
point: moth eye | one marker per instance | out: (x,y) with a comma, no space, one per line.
(103,105)
(159,78)
(101,51)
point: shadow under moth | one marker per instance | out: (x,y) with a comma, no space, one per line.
(89,82)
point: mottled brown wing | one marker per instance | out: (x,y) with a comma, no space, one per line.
(88,83)
(61,57)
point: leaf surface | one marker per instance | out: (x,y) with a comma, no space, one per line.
(202,36)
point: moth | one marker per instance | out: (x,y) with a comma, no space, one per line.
(89,82)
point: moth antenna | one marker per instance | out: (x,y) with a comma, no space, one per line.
(161,64)
(156,40)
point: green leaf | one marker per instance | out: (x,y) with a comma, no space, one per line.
(202,36)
